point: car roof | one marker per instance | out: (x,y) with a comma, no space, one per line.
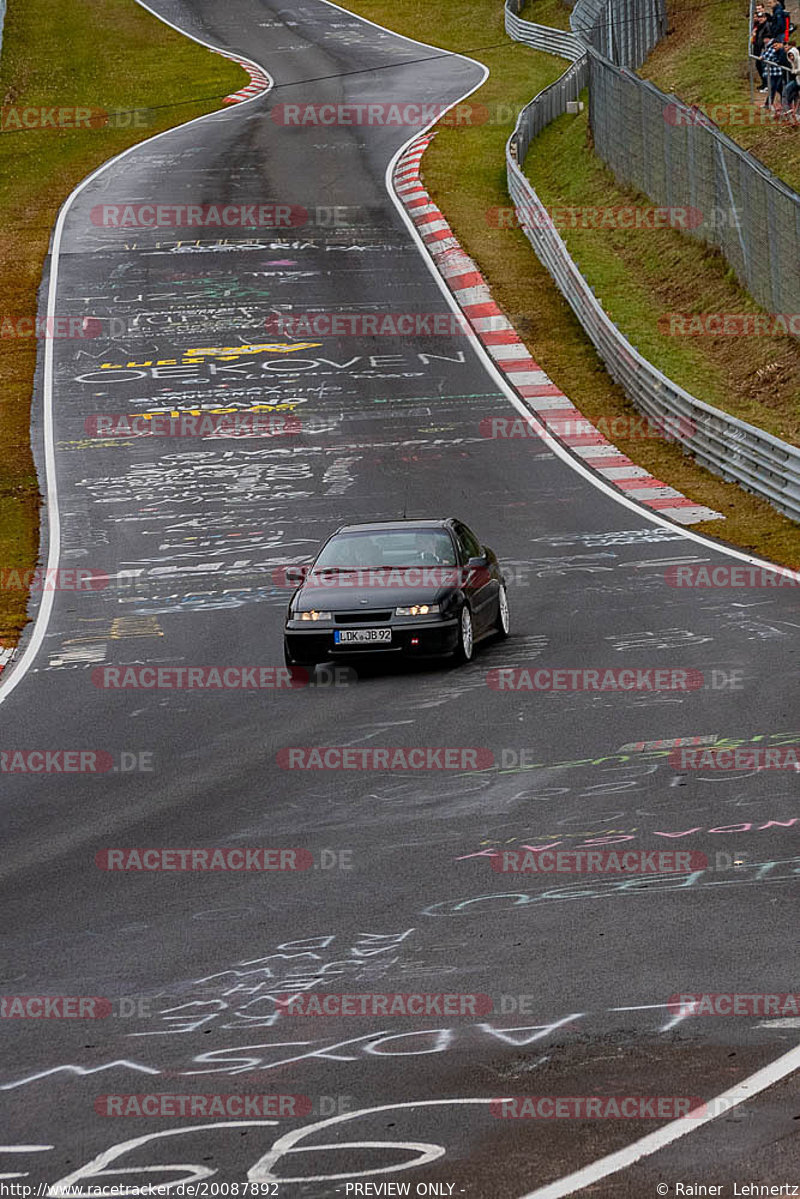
(377,525)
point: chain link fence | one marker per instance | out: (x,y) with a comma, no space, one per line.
(624,31)
(737,451)
(656,144)
(676,155)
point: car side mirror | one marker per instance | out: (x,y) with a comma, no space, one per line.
(296,575)
(479,563)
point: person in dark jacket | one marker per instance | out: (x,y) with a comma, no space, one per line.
(760,30)
(779,22)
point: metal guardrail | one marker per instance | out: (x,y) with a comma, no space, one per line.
(739,452)
(541,37)
(545,107)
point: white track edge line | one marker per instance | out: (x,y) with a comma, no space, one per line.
(750,1086)
(786,1064)
(14,673)
(555,445)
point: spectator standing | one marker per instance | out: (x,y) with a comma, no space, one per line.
(791,90)
(779,22)
(774,60)
(759,32)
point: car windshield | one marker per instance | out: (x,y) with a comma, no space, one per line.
(387,548)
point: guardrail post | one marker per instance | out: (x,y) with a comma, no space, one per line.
(755,459)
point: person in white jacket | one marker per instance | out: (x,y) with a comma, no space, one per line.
(791,90)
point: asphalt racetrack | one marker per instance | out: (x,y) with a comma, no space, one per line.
(541,987)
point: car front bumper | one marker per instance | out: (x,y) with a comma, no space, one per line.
(423,638)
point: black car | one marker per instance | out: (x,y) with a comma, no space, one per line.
(418,588)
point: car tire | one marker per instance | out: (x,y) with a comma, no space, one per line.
(466,637)
(503,616)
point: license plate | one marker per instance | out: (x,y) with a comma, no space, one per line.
(361,636)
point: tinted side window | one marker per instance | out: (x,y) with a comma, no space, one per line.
(468,541)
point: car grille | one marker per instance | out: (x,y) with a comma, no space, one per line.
(361,617)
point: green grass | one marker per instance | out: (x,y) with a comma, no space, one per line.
(99,54)
(640,275)
(703,60)
(464,170)
(546,12)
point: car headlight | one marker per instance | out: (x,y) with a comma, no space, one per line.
(418,610)
(313,614)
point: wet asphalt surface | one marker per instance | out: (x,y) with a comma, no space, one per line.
(401,896)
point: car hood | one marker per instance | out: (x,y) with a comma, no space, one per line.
(343,598)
